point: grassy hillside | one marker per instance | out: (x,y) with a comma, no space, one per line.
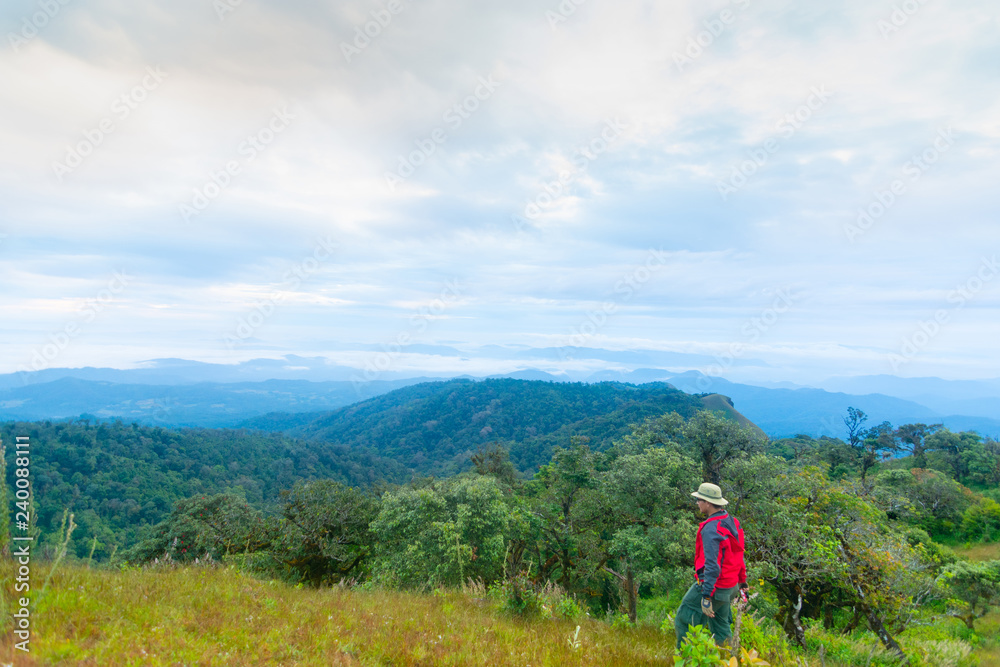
(724,404)
(209,616)
(433,427)
(218,616)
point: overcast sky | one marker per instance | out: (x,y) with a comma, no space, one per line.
(223,179)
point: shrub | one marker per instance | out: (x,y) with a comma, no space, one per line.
(767,638)
(217,525)
(517,596)
(698,649)
(441,534)
(981,522)
(944,653)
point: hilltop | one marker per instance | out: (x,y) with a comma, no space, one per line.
(433,427)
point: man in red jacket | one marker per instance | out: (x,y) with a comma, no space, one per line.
(720,573)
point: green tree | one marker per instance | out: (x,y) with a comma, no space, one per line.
(921,497)
(495,460)
(561,498)
(952,450)
(716,440)
(324,537)
(912,438)
(205,526)
(442,534)
(982,462)
(981,521)
(973,589)
(648,516)
(823,548)
(878,444)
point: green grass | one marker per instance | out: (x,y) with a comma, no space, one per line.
(217,616)
(220,616)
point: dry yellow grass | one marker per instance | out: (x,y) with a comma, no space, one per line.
(980,551)
(208,616)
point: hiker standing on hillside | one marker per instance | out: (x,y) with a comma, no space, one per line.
(720,573)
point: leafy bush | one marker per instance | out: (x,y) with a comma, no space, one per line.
(215,525)
(973,588)
(766,638)
(325,537)
(698,649)
(981,522)
(442,534)
(925,498)
(517,595)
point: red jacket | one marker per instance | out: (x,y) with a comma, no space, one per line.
(718,553)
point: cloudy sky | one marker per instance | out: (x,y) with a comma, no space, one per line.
(799,189)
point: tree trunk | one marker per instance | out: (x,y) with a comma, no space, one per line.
(853,623)
(631,589)
(875,625)
(874,622)
(969,620)
(793,623)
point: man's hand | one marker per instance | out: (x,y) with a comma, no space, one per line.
(706,607)
(744,593)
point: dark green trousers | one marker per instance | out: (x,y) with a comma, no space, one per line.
(690,614)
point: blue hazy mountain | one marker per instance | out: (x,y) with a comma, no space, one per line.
(201,404)
(178,392)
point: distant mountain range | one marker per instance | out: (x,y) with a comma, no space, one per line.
(205,404)
(175,392)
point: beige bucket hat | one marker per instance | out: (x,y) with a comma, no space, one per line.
(710,493)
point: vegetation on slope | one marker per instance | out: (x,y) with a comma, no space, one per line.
(218,616)
(846,539)
(119,478)
(434,427)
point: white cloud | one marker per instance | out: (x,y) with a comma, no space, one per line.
(655,186)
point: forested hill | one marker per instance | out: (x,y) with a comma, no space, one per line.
(433,427)
(118,477)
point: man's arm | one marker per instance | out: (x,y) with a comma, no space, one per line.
(711,542)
